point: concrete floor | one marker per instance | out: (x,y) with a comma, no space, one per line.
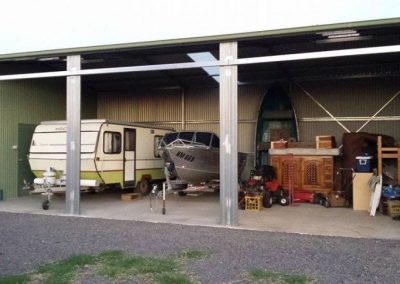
(203,210)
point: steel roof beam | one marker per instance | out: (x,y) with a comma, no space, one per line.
(190,65)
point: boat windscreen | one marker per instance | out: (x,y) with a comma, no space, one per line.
(168,138)
(186,135)
(215,141)
(203,138)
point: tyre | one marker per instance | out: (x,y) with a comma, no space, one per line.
(284,200)
(267,200)
(92,190)
(46,205)
(143,187)
(242,204)
(280,191)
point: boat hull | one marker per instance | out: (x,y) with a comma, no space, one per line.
(196,165)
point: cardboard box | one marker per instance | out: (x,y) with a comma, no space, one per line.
(278,144)
(325,142)
(393,208)
(336,200)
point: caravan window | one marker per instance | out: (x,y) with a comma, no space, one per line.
(130,139)
(112,142)
(157,142)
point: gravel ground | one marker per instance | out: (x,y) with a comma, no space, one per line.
(29,240)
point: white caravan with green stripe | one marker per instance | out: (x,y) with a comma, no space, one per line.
(112,153)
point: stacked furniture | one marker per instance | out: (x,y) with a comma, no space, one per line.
(387,153)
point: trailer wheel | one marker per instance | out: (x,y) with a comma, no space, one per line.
(143,186)
(46,205)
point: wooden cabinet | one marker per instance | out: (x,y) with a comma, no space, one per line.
(310,173)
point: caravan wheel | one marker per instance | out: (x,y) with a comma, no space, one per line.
(143,187)
(46,205)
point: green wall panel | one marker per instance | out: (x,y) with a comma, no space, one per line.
(29,102)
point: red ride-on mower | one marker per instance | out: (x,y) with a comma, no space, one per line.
(274,193)
(263,182)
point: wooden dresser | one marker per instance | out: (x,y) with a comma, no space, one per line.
(306,169)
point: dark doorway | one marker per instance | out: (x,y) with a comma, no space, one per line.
(25,132)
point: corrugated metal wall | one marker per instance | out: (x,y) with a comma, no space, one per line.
(29,102)
(344,98)
(347,98)
(201,110)
(149,106)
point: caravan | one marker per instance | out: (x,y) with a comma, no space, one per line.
(112,153)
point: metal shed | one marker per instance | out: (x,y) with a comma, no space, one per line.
(160,82)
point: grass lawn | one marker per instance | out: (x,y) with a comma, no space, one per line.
(117,266)
(263,276)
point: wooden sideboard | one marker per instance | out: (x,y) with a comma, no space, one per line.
(304,169)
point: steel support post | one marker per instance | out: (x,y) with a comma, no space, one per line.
(228,135)
(72,195)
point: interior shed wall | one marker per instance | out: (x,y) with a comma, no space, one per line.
(26,102)
(29,102)
(88,105)
(344,98)
(347,98)
(200,110)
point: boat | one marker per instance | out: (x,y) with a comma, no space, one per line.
(276,121)
(192,157)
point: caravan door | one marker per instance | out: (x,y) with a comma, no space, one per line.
(129,156)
